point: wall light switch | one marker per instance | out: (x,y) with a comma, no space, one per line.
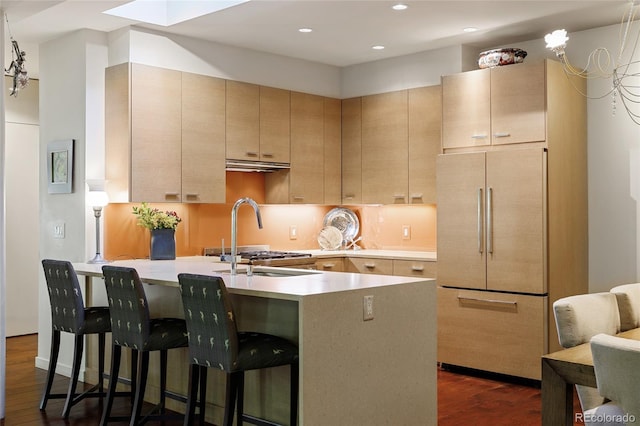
(406,232)
(367,308)
(293,232)
(58,230)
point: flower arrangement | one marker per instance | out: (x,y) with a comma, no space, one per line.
(151,218)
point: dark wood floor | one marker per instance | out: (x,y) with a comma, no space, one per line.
(463,399)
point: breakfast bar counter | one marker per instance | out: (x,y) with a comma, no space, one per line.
(352,371)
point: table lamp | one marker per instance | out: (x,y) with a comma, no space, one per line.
(97,200)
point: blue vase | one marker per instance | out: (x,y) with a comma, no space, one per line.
(163,244)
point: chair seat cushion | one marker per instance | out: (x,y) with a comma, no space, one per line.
(259,350)
(166,333)
(96,320)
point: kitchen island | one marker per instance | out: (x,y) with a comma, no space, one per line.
(352,371)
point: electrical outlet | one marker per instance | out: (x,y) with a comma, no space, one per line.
(406,232)
(293,232)
(58,230)
(368,308)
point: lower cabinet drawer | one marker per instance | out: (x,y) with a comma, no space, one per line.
(498,332)
(365,265)
(331,264)
(414,268)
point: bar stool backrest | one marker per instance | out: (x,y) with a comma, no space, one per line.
(130,320)
(213,334)
(67,307)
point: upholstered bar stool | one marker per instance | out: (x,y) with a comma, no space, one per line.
(69,315)
(133,328)
(214,342)
(578,319)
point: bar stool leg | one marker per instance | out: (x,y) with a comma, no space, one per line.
(143,369)
(78,348)
(101,349)
(192,396)
(53,361)
(116,354)
(203,394)
(163,379)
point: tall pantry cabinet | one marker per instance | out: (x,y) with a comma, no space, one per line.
(512,214)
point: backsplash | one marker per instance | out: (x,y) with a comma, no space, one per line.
(206,225)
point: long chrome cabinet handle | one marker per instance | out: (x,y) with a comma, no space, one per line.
(489,220)
(480,220)
(497,302)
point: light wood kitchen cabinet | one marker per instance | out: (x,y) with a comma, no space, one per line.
(390,143)
(385,168)
(242,121)
(332,151)
(315,154)
(491,219)
(425,128)
(494,106)
(509,327)
(330,264)
(257,123)
(414,268)
(145,109)
(203,139)
(366,265)
(512,223)
(352,151)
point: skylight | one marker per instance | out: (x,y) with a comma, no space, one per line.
(170,12)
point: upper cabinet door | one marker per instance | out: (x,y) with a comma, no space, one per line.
(332,151)
(243,121)
(385,167)
(352,151)
(518,103)
(275,126)
(307,149)
(203,139)
(494,106)
(156,132)
(425,124)
(466,109)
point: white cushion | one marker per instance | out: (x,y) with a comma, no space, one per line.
(608,414)
(628,296)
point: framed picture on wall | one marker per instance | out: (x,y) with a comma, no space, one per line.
(60,166)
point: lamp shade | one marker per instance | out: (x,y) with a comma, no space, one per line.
(97,198)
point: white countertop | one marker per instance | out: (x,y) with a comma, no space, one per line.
(165,272)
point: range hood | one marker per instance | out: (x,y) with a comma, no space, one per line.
(254,166)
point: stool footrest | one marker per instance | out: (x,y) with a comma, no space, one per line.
(258,421)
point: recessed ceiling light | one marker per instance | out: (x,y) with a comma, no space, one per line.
(377,47)
(470,29)
(305,30)
(399,6)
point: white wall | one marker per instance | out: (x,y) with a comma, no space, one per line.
(21,174)
(71,105)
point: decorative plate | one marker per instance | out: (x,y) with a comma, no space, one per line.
(345,220)
(330,238)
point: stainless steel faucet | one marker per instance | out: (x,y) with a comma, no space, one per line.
(234,228)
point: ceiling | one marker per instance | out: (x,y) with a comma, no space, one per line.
(343,31)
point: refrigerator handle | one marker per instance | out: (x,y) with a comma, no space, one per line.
(489,220)
(480,220)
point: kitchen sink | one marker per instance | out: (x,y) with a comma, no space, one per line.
(273,272)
